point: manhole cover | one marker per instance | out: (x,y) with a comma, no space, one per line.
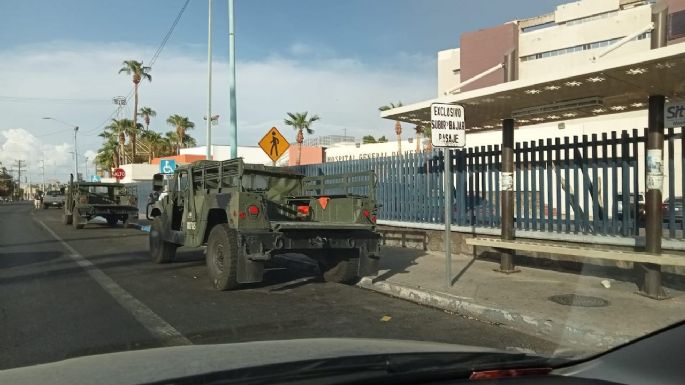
(579,300)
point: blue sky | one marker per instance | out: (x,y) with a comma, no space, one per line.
(340,59)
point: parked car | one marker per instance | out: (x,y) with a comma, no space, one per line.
(640,206)
(677,209)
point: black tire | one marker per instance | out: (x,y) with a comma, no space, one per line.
(112,220)
(339,269)
(76,220)
(161,251)
(66,219)
(222,257)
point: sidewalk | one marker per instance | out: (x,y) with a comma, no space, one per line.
(521,300)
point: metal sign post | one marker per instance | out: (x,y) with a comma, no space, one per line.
(448,130)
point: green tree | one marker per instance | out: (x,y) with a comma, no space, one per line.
(398,126)
(181,124)
(427,131)
(147,113)
(369,139)
(138,72)
(122,128)
(301,122)
(383,139)
(108,154)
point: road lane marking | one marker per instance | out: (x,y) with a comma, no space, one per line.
(157,326)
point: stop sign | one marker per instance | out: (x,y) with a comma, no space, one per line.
(119,173)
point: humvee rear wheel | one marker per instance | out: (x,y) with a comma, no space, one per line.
(66,219)
(161,251)
(222,257)
(339,269)
(76,220)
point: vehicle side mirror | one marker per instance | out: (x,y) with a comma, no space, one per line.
(158,183)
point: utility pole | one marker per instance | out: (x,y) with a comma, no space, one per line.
(233,120)
(20,164)
(75,145)
(42,166)
(209,82)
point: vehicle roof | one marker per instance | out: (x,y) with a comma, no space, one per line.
(100,184)
(246,166)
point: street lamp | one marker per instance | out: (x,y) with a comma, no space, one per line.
(75,146)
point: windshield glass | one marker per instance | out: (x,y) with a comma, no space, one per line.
(497,174)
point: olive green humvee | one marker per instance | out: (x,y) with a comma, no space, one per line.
(112,201)
(245,214)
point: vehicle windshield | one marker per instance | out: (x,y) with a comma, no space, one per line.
(499,174)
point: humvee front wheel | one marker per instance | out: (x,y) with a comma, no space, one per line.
(222,257)
(339,269)
(161,251)
(76,220)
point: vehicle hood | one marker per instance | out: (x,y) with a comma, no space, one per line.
(145,366)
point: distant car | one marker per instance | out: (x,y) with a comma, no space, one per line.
(677,209)
(631,209)
(53,198)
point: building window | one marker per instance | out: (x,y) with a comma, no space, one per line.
(580,47)
(676,25)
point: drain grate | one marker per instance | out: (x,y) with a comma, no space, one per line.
(579,300)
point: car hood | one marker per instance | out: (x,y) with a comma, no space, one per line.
(160,364)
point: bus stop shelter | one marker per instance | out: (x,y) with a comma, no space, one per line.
(608,85)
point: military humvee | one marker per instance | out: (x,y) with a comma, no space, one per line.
(245,214)
(111,201)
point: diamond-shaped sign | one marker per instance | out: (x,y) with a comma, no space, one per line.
(274,144)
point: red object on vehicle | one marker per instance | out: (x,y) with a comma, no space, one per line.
(490,374)
(119,173)
(303,209)
(253,210)
(242,215)
(373,218)
(366,213)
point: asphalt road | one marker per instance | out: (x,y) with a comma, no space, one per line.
(67,293)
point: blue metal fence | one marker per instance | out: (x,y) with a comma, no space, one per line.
(580,184)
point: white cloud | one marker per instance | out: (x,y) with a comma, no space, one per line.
(19,144)
(344,91)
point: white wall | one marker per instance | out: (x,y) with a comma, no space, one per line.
(249,154)
(448,62)
(583,8)
(623,24)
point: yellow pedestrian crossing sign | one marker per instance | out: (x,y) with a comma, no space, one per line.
(274,144)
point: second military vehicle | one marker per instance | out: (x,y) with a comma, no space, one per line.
(245,214)
(112,201)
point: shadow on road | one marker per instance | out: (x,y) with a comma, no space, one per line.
(396,260)
(8,260)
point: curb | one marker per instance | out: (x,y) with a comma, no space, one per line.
(573,335)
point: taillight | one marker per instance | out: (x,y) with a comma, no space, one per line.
(366,213)
(373,218)
(303,209)
(253,210)
(242,215)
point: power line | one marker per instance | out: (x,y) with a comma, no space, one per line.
(153,60)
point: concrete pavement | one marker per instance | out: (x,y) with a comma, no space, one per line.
(79,292)
(522,302)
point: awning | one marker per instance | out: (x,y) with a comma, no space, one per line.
(606,86)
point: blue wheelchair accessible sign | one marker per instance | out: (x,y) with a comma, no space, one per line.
(167,166)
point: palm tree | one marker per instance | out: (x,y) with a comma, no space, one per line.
(122,128)
(108,155)
(182,124)
(419,134)
(300,122)
(139,72)
(147,113)
(155,142)
(398,126)
(427,131)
